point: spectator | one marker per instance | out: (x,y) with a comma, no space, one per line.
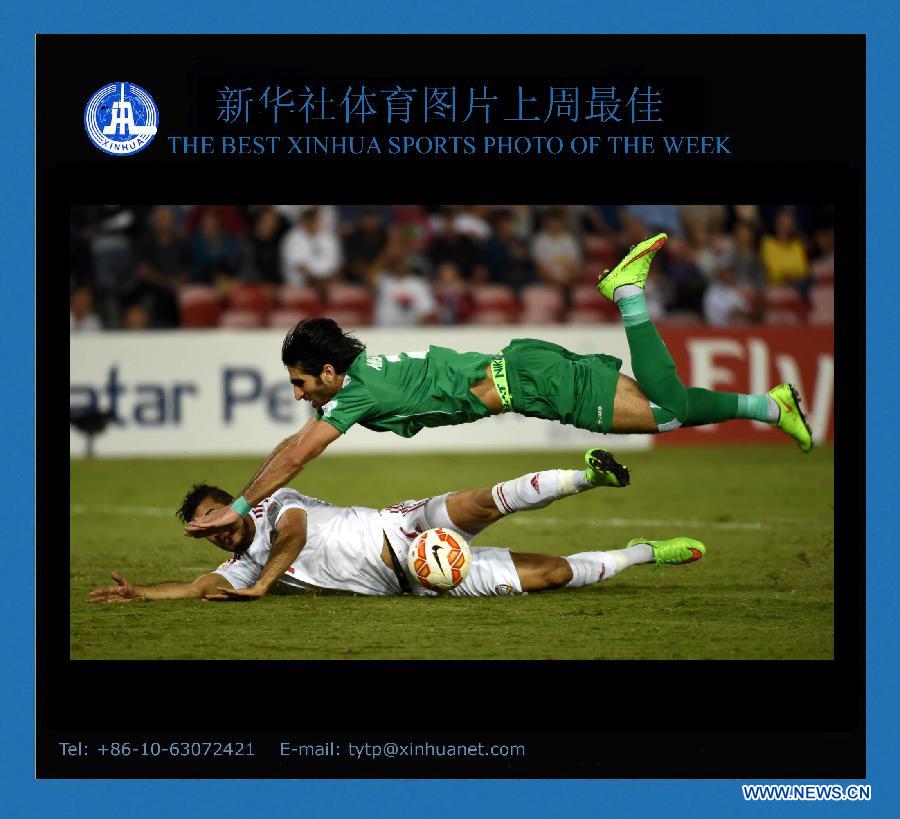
(364,244)
(784,253)
(214,253)
(230,219)
(452,246)
(702,253)
(685,279)
(135,317)
(749,214)
(506,255)
(601,219)
(112,255)
(161,269)
(309,253)
(473,221)
(724,303)
(329,217)
(709,219)
(654,218)
(264,247)
(412,217)
(556,253)
(822,268)
(452,295)
(401,298)
(746,266)
(82,318)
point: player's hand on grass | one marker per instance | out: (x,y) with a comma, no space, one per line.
(236,595)
(216,521)
(122,592)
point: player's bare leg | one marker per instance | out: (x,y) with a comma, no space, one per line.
(631,410)
(473,510)
(541,572)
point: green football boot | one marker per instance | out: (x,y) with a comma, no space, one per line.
(674,551)
(604,470)
(791,420)
(633,269)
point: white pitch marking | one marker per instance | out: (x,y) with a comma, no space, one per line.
(147,511)
(630,522)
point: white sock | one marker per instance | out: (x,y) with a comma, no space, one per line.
(538,489)
(631,556)
(591,567)
(625,290)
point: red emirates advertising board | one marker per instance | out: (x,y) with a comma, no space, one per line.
(753,360)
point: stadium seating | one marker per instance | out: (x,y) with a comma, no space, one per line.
(304,299)
(599,254)
(349,304)
(541,304)
(349,319)
(585,298)
(494,304)
(822,299)
(784,305)
(491,317)
(578,316)
(199,306)
(253,298)
(285,318)
(240,320)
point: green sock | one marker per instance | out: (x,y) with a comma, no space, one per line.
(757,407)
(654,371)
(633,310)
(709,407)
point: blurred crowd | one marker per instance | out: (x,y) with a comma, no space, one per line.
(137,267)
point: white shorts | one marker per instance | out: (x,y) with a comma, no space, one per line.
(492,571)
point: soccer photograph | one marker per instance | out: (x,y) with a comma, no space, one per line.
(201,335)
(457,437)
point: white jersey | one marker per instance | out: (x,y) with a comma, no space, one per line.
(342,550)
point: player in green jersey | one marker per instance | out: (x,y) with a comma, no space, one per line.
(439,387)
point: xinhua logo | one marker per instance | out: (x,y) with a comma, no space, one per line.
(121,118)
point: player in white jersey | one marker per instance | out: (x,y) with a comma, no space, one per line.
(292,542)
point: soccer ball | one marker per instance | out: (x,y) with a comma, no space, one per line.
(440,559)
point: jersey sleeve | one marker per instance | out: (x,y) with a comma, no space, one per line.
(351,405)
(281,501)
(240,572)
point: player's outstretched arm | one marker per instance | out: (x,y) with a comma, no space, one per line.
(290,538)
(126,592)
(280,467)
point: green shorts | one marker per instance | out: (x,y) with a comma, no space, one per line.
(550,382)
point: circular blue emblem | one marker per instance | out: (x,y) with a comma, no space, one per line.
(121,118)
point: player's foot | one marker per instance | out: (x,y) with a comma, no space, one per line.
(791,420)
(633,269)
(604,470)
(674,551)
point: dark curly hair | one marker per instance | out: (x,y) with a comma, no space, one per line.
(315,342)
(196,494)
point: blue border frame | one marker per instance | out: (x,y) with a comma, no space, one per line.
(22,796)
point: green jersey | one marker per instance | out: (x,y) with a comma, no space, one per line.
(406,392)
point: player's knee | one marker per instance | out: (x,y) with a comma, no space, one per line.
(557,572)
(667,419)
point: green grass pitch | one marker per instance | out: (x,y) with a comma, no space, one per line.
(764,590)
